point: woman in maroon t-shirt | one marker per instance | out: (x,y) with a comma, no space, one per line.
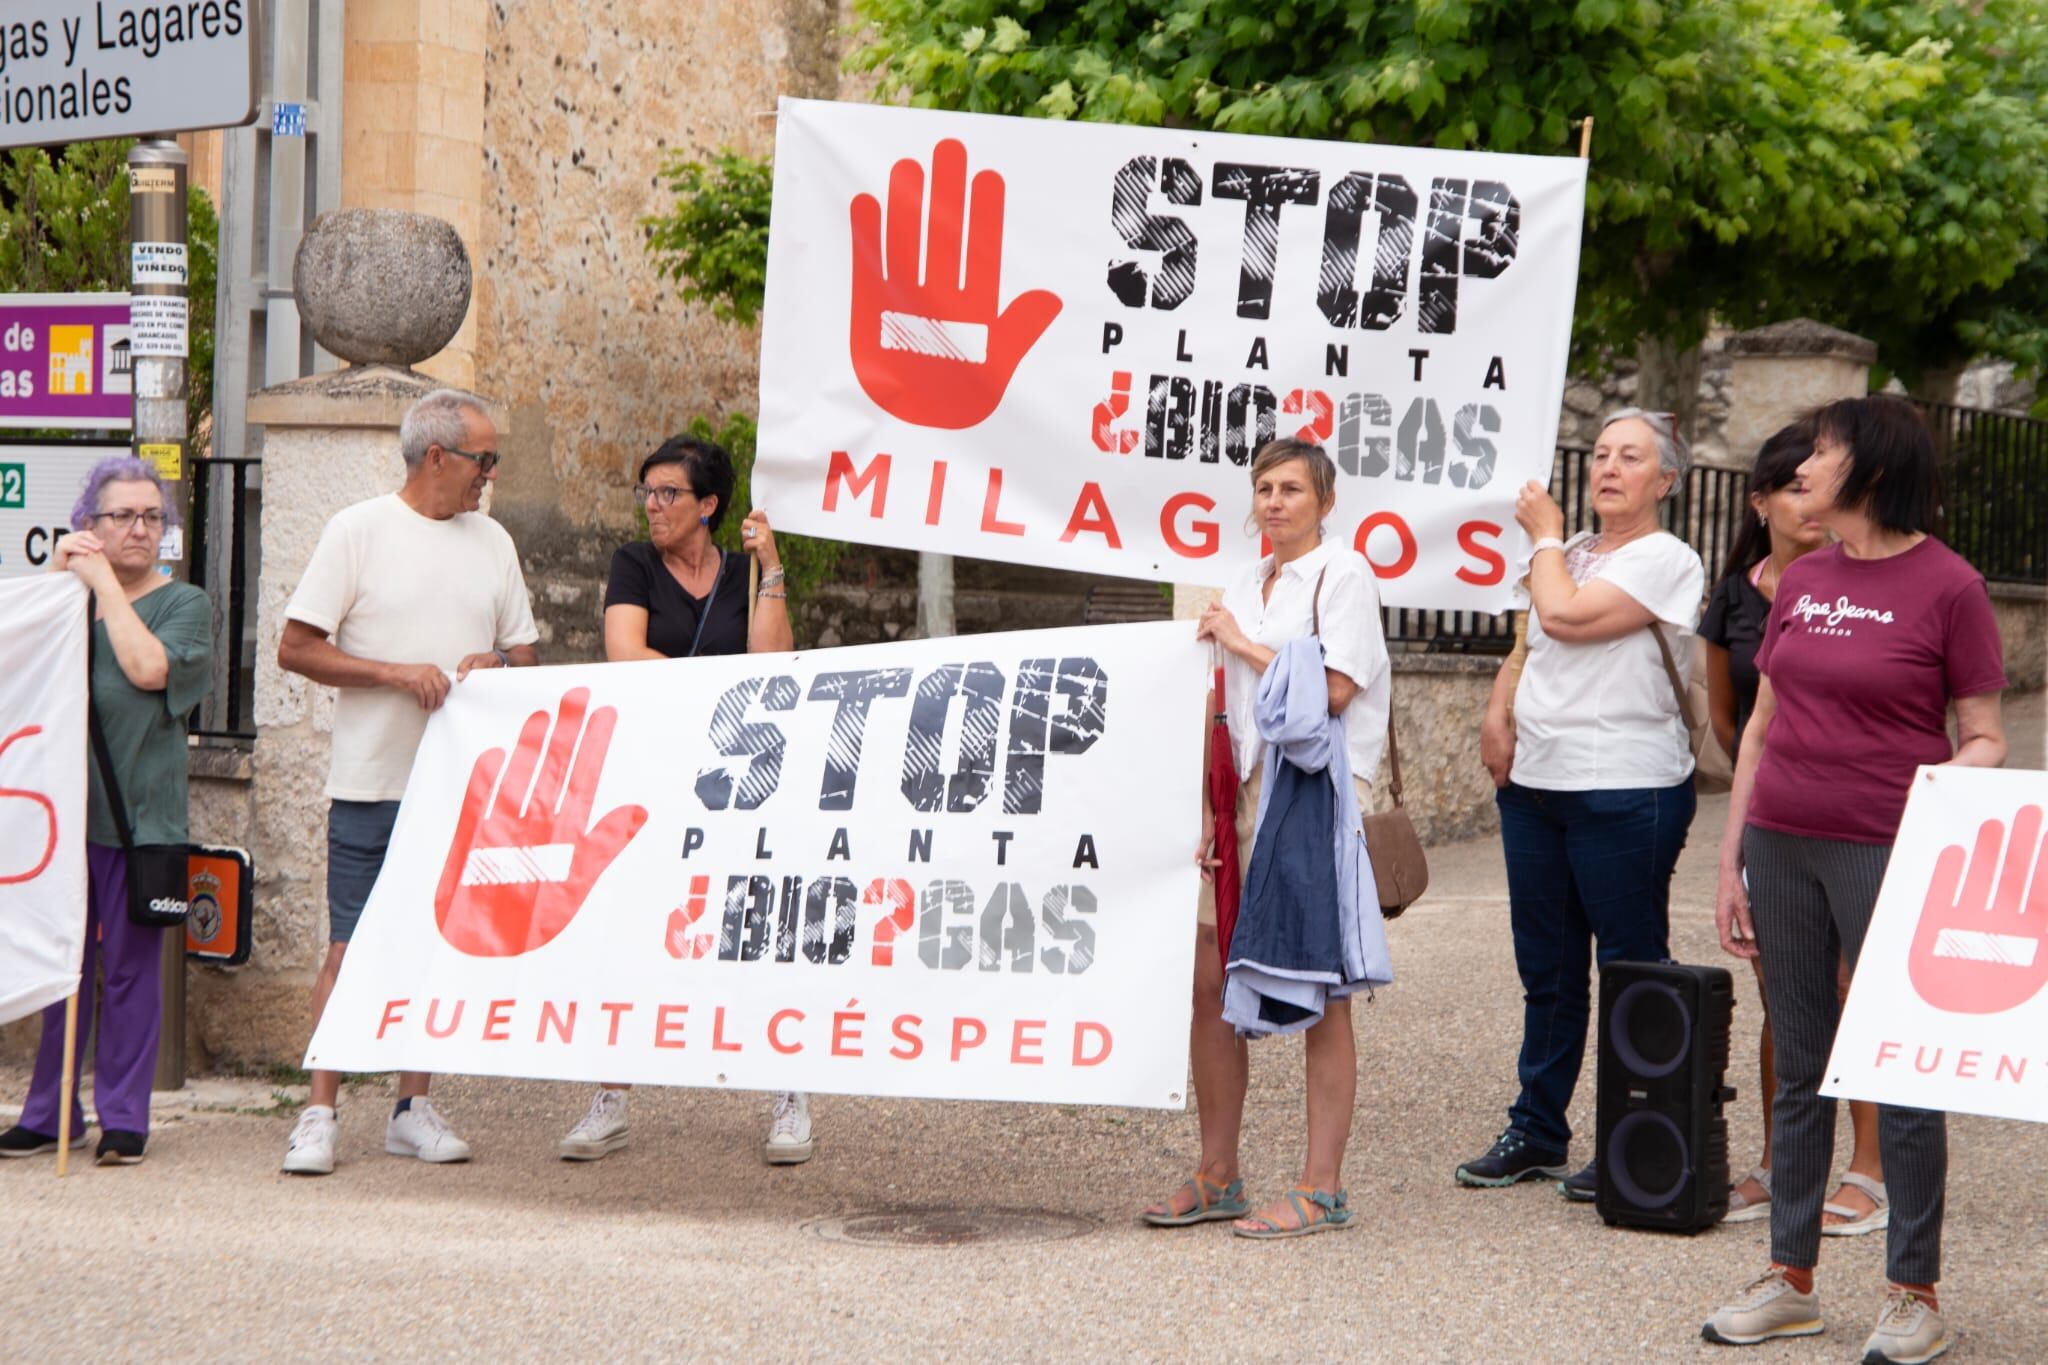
(1867,645)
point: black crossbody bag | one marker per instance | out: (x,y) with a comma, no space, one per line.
(158,885)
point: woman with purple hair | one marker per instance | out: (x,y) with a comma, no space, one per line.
(152,663)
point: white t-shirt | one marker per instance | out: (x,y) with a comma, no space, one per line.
(1593,717)
(1353,644)
(389,584)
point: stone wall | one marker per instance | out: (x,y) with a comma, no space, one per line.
(2022,611)
(596,355)
(1589,397)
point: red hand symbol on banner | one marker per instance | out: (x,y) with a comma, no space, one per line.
(938,353)
(516,876)
(1980,949)
(49,815)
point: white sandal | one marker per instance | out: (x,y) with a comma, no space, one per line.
(1742,1209)
(1859,1224)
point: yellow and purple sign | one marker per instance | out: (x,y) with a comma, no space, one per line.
(65,361)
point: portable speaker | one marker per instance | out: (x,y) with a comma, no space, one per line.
(1663,1138)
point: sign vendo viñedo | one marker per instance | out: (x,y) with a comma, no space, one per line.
(75,70)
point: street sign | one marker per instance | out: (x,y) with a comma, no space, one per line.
(39,485)
(76,70)
(65,361)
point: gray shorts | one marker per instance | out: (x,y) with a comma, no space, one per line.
(358,832)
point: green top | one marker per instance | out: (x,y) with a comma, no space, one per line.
(146,730)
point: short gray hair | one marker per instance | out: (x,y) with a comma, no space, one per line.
(1673,456)
(437,420)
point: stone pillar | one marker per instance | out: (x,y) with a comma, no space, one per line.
(413,125)
(1780,371)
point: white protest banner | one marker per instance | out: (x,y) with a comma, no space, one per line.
(42,791)
(1948,1009)
(1061,343)
(959,868)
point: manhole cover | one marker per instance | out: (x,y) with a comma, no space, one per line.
(949,1227)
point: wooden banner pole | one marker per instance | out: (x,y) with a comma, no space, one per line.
(66,1083)
(753,593)
(1586,138)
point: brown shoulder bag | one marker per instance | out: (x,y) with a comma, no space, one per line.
(1400,870)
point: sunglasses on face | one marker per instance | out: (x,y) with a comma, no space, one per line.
(663,495)
(484,460)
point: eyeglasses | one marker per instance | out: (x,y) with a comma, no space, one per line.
(124,520)
(484,460)
(661,495)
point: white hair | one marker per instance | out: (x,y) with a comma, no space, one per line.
(1672,454)
(437,420)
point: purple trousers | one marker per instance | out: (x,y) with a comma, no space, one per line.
(131,1013)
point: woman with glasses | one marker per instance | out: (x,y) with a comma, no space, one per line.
(677,595)
(152,648)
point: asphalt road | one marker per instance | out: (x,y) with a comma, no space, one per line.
(684,1245)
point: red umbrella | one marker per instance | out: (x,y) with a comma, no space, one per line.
(1223,801)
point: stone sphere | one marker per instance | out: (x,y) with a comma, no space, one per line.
(380,286)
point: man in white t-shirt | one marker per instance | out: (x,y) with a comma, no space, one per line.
(402,590)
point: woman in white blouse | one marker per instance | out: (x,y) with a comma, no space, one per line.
(1276,600)
(1590,753)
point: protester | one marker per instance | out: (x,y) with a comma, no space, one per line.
(401,589)
(152,662)
(1733,627)
(1305,581)
(1869,643)
(1590,753)
(677,595)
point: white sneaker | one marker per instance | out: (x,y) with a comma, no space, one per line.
(312,1146)
(789,1135)
(422,1132)
(1767,1307)
(602,1130)
(1908,1332)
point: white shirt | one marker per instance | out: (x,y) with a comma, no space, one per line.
(1602,716)
(389,584)
(1353,644)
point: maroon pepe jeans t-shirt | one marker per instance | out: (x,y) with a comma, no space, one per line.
(1864,656)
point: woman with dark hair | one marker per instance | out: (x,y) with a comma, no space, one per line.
(1733,627)
(1309,586)
(1868,645)
(152,662)
(677,595)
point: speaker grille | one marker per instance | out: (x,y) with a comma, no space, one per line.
(1650,1029)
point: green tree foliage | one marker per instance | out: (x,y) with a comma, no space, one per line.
(64,229)
(714,242)
(1748,154)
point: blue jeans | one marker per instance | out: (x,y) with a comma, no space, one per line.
(1582,866)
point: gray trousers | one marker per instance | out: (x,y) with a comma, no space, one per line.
(1811,900)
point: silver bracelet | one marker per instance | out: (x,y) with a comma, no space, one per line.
(1547,543)
(778,596)
(772,577)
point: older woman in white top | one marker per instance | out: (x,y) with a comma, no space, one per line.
(1590,752)
(1276,600)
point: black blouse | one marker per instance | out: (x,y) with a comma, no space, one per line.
(640,579)
(1735,619)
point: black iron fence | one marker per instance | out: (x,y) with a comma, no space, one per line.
(224,562)
(1705,514)
(1994,486)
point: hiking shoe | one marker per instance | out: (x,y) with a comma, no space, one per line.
(1512,1158)
(1583,1187)
(1767,1307)
(420,1131)
(20,1141)
(789,1133)
(601,1132)
(120,1149)
(312,1146)
(1909,1331)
